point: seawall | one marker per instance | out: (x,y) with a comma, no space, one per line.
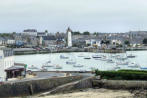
(27,88)
(120,84)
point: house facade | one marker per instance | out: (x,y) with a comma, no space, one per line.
(6,61)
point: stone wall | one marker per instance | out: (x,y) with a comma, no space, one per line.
(120,84)
(81,84)
(27,88)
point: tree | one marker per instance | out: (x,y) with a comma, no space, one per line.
(145,41)
(46,31)
(96,33)
(127,42)
(107,42)
(76,33)
(86,33)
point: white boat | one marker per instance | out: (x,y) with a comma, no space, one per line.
(57,67)
(143,68)
(47,65)
(104,58)
(71,62)
(122,63)
(81,55)
(110,61)
(121,58)
(117,68)
(63,57)
(43,69)
(87,57)
(48,62)
(96,56)
(133,65)
(33,68)
(78,65)
(131,56)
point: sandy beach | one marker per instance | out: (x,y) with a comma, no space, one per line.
(94,93)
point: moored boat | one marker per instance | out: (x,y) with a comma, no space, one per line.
(78,65)
(57,67)
(64,57)
(133,65)
(70,62)
(87,57)
(122,63)
(33,68)
(96,56)
(131,56)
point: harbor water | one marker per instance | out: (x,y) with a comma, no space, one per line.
(82,58)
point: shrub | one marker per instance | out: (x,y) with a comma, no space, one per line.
(123,74)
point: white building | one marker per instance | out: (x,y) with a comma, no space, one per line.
(10,41)
(69,37)
(30,32)
(6,61)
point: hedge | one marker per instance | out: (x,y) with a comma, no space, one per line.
(123,74)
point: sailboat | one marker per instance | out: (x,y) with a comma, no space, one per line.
(57,67)
(131,56)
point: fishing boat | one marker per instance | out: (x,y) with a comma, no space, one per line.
(57,67)
(63,57)
(71,62)
(78,65)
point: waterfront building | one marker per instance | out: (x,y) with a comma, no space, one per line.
(30,32)
(40,34)
(6,61)
(10,41)
(49,40)
(2,41)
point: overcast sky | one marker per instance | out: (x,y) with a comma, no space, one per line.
(80,15)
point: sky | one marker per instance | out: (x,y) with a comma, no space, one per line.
(79,15)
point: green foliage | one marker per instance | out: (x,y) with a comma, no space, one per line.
(96,33)
(123,74)
(86,33)
(127,42)
(5,34)
(145,41)
(46,31)
(76,33)
(105,42)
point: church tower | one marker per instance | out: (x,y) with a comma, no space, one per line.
(69,37)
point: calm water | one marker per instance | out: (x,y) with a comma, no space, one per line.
(39,59)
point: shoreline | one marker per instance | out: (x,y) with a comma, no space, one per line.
(32,53)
